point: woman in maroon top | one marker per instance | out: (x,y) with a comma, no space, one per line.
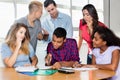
(87,26)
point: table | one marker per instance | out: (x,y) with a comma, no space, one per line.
(11,74)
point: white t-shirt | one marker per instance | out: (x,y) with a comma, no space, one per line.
(106,57)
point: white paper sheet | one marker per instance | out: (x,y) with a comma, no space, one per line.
(82,68)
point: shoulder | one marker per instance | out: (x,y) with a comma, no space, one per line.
(50,44)
(70,40)
(21,20)
(4,45)
(5,49)
(95,49)
(64,15)
(112,48)
(101,24)
(81,25)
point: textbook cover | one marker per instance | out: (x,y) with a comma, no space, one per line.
(42,72)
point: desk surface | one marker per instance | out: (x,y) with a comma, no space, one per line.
(11,74)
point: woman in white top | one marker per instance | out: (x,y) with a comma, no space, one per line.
(106,52)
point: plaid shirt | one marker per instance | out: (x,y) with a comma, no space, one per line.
(68,52)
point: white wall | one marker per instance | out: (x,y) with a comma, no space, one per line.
(112,15)
(115,16)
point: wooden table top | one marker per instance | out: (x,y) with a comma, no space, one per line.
(11,74)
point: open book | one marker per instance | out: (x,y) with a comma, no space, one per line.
(26,69)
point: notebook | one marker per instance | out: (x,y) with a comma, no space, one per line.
(26,69)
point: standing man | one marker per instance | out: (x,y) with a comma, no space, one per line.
(62,51)
(56,19)
(32,20)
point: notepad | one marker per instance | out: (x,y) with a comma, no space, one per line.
(26,69)
(82,68)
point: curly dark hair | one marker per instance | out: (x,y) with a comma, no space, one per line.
(108,35)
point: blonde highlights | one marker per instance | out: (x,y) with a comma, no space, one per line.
(11,38)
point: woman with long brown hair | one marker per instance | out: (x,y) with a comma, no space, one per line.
(17,51)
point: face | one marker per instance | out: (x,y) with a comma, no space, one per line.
(87,17)
(52,10)
(20,35)
(57,42)
(97,41)
(38,13)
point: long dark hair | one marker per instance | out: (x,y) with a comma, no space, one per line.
(108,35)
(93,13)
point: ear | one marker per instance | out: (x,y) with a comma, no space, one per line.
(105,42)
(65,40)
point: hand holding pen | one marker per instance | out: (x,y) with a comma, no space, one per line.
(48,59)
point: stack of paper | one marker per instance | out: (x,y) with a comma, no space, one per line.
(26,69)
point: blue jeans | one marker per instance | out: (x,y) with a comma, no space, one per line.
(89,59)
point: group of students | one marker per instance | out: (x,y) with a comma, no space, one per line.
(62,50)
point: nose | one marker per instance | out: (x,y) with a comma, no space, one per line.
(51,12)
(23,36)
(93,39)
(55,43)
(85,17)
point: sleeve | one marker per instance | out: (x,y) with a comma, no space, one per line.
(49,50)
(95,52)
(32,53)
(80,24)
(39,28)
(69,28)
(5,51)
(74,51)
(46,25)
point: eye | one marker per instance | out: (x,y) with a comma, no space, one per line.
(87,14)
(52,9)
(48,11)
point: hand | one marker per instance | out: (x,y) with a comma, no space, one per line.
(45,34)
(57,65)
(76,64)
(90,26)
(40,36)
(44,31)
(48,59)
(89,23)
(18,43)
